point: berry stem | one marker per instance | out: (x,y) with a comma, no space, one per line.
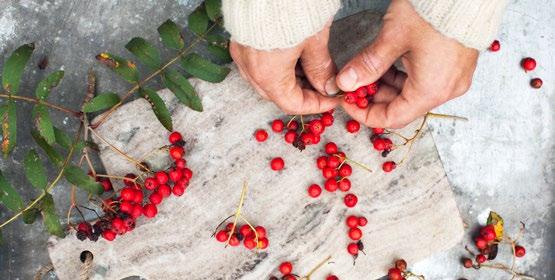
(346,159)
(290,121)
(147,155)
(116,177)
(237,212)
(253,230)
(444,116)
(45,103)
(307,277)
(506,269)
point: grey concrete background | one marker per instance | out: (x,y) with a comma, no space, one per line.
(502,159)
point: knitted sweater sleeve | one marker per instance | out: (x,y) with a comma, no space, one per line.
(271,24)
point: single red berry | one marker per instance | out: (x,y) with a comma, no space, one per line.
(84,227)
(128,194)
(138,198)
(222,236)
(331,185)
(528,64)
(372,88)
(162,177)
(355,233)
(350,200)
(263,243)
(350,97)
(362,221)
(379,144)
(180,163)
(245,230)
(352,248)
(332,277)
(536,83)
(130,179)
(278,125)
(307,138)
(327,119)
(495,46)
(345,170)
(352,126)
(106,184)
(277,164)
(164,190)
(175,137)
(151,183)
(328,172)
(261,135)
(229,226)
(352,221)
(234,241)
(316,126)
(488,232)
(331,148)
(293,125)
(520,251)
(137,211)
(260,231)
(187,173)
(150,210)
(178,190)
(290,136)
(249,243)
(480,242)
(362,102)
(388,166)
(388,143)
(333,162)
(394,274)
(344,184)
(177,152)
(377,130)
(117,224)
(322,162)
(109,235)
(401,264)
(314,190)
(361,92)
(126,207)
(289,277)
(155,198)
(467,262)
(480,258)
(175,175)
(285,268)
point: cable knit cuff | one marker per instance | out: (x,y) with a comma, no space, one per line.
(474,23)
(271,24)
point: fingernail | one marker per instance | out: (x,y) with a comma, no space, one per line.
(348,78)
(331,87)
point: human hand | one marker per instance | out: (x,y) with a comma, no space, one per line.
(438,69)
(272,74)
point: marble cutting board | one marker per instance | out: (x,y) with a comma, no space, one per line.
(411,212)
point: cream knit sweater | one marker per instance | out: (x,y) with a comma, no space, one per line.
(270,24)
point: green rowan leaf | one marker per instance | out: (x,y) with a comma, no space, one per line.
(50,217)
(213,9)
(101,102)
(123,67)
(198,21)
(62,138)
(158,106)
(171,36)
(182,89)
(52,154)
(43,123)
(204,69)
(14,66)
(145,52)
(9,196)
(34,170)
(45,86)
(221,53)
(78,177)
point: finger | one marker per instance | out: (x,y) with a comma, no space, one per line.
(394,77)
(386,94)
(295,100)
(318,65)
(371,63)
(247,77)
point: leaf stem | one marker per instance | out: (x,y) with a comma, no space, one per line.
(45,103)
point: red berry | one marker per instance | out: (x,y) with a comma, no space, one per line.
(520,251)
(106,183)
(352,221)
(117,224)
(331,185)
(328,172)
(222,236)
(467,262)
(128,194)
(394,274)
(229,226)
(332,277)
(187,173)
(355,233)
(316,126)
(249,243)
(333,162)
(401,264)
(175,175)
(289,277)
(177,152)
(261,135)
(130,179)
(480,258)
(372,88)
(278,125)
(495,46)
(164,190)
(150,210)
(361,92)
(109,235)
(350,97)
(155,198)
(293,125)
(362,102)
(277,164)
(352,248)
(362,221)
(285,268)
(488,233)
(322,162)
(314,190)
(180,163)
(151,183)
(345,170)
(260,231)
(352,126)
(307,138)
(245,230)
(331,148)
(377,130)
(350,200)
(379,144)
(327,119)
(162,177)
(528,64)
(234,241)
(178,190)
(388,143)
(84,227)
(175,137)
(480,242)
(388,166)
(263,243)
(126,207)
(137,211)
(344,185)
(536,83)
(290,136)
(138,198)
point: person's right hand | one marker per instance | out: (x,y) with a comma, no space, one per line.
(272,74)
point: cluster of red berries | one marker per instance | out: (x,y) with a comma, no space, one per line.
(245,234)
(528,64)
(383,145)
(399,271)
(485,242)
(362,96)
(286,270)
(355,234)
(123,209)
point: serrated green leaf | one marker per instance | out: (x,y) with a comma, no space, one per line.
(14,66)
(213,9)
(50,217)
(145,52)
(204,69)
(182,89)
(158,106)
(52,154)
(78,177)
(45,86)
(9,196)
(34,170)
(221,53)
(62,138)
(198,21)
(123,67)
(101,102)
(30,215)
(9,127)
(43,123)
(170,33)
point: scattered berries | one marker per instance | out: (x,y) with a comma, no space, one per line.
(536,83)
(285,268)
(520,251)
(495,46)
(314,190)
(277,164)
(350,200)
(352,126)
(261,135)
(278,126)
(467,263)
(528,64)
(388,166)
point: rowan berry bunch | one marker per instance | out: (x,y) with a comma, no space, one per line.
(399,272)
(355,234)
(286,271)
(124,207)
(362,96)
(245,234)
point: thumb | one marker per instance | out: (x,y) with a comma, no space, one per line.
(370,64)
(317,64)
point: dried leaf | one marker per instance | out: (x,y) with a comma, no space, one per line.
(204,69)
(101,102)
(145,52)
(14,66)
(78,177)
(9,127)
(171,36)
(45,86)
(43,123)
(34,170)
(50,217)
(158,106)
(52,154)
(9,196)
(29,216)
(123,67)
(198,21)
(182,89)
(498,224)
(213,9)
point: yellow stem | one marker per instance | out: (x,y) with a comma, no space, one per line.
(238,212)
(307,277)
